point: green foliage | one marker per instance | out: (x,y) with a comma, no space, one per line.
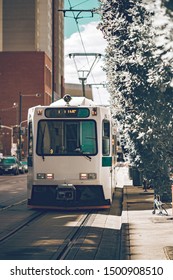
(168,4)
(139,82)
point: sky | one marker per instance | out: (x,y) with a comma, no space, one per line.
(85,17)
(83,37)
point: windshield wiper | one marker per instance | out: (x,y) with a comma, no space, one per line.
(80,152)
(87,157)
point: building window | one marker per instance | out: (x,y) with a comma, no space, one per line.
(48,77)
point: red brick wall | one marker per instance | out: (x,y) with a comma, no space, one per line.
(21,73)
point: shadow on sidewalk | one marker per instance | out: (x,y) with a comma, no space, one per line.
(135,198)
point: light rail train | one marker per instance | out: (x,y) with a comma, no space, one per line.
(71,155)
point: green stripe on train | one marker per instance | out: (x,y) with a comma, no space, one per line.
(106,161)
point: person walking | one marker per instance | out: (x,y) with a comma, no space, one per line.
(145,185)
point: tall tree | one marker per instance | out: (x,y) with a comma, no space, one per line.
(140,86)
(168,4)
(162,21)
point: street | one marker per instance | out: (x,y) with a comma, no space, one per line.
(35,234)
(12,190)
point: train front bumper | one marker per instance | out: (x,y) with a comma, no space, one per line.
(65,196)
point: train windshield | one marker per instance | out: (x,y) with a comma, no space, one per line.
(66,137)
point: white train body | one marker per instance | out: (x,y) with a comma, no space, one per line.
(71,155)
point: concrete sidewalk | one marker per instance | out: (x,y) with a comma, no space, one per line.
(145,236)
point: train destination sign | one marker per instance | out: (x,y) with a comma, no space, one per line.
(67,112)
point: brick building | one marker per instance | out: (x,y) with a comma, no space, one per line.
(31,62)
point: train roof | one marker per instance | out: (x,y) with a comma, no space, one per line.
(75,101)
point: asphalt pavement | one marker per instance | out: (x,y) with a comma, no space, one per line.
(144,235)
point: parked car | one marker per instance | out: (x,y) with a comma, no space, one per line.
(25,165)
(9,165)
(21,168)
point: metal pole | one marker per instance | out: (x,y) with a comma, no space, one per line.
(85,73)
(83,86)
(53,50)
(20,120)
(12,142)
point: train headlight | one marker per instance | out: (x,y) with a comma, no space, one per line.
(83,176)
(49,176)
(39,112)
(67,98)
(94,112)
(88,176)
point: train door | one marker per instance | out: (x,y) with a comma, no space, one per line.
(106,157)
(114,160)
(72,136)
(30,145)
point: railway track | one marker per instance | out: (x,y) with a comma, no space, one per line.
(12,191)
(71,244)
(58,235)
(6,204)
(16,219)
(42,220)
(24,223)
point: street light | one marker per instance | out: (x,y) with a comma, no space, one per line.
(20,117)
(14,106)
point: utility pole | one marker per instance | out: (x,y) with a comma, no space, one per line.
(20,119)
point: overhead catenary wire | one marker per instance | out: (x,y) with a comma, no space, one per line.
(80,3)
(97,57)
(81,39)
(82,79)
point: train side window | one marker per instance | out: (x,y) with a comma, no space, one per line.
(106,138)
(30,140)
